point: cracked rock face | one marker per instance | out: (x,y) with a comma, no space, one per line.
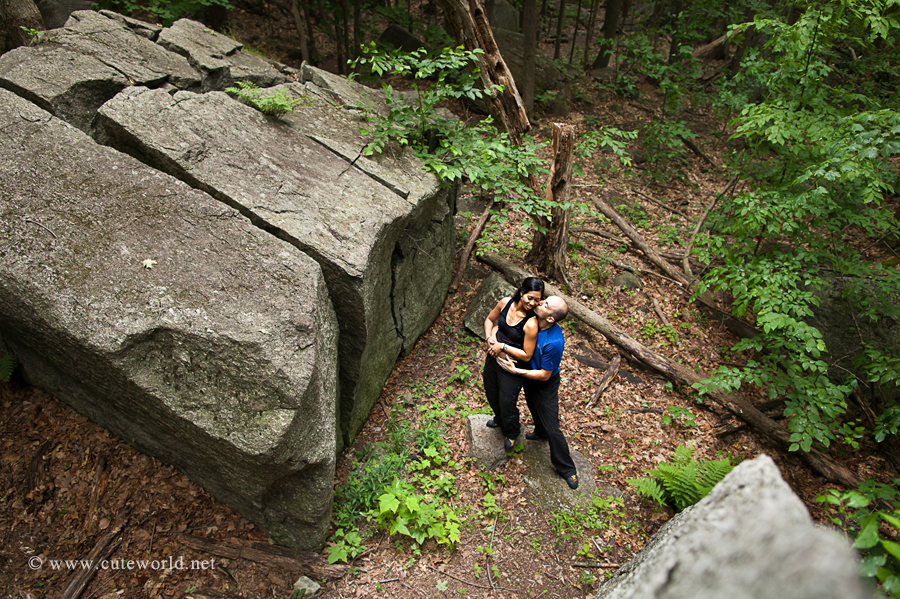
(220,359)
(290,270)
(750,537)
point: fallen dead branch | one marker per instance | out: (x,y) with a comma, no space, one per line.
(464,258)
(664,253)
(104,547)
(607,378)
(594,363)
(738,326)
(658,309)
(735,403)
(273,556)
(624,266)
(661,205)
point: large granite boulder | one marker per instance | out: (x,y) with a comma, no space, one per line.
(750,537)
(171,320)
(381,231)
(225,364)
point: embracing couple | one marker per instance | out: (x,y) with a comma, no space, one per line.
(525,347)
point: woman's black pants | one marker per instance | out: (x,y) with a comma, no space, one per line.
(502,391)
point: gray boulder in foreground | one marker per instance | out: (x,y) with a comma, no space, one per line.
(221,359)
(750,538)
(382,231)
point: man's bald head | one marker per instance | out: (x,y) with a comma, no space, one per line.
(557,307)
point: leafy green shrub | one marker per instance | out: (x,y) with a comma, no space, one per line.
(819,152)
(359,493)
(448,147)
(347,546)
(684,482)
(274,104)
(401,509)
(880,555)
(677,413)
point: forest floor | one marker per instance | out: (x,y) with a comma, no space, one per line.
(57,506)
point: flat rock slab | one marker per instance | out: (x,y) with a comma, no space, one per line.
(486,444)
(221,359)
(218,58)
(550,489)
(489,293)
(78,67)
(750,537)
(82,65)
(381,231)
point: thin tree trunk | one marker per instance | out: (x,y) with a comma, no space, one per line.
(610,29)
(575,33)
(592,22)
(357,33)
(16,14)
(559,27)
(529,48)
(311,38)
(298,22)
(544,14)
(548,250)
(734,403)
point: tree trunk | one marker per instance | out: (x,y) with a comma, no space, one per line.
(469,24)
(298,22)
(16,14)
(734,403)
(357,34)
(559,28)
(575,33)
(548,250)
(311,38)
(592,21)
(529,48)
(610,29)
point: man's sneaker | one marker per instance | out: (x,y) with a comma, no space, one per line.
(572,481)
(508,444)
(533,436)
(491,424)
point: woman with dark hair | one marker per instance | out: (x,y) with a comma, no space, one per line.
(510,330)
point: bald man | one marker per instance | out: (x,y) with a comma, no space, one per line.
(542,385)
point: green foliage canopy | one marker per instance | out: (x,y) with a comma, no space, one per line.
(821,145)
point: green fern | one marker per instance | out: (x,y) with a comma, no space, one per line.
(649,487)
(275,104)
(684,481)
(8,364)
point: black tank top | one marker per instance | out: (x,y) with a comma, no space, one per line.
(512,335)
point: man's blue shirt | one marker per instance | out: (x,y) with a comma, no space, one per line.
(548,350)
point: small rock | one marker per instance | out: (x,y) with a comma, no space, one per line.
(306,586)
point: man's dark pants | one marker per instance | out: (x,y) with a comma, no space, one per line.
(542,398)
